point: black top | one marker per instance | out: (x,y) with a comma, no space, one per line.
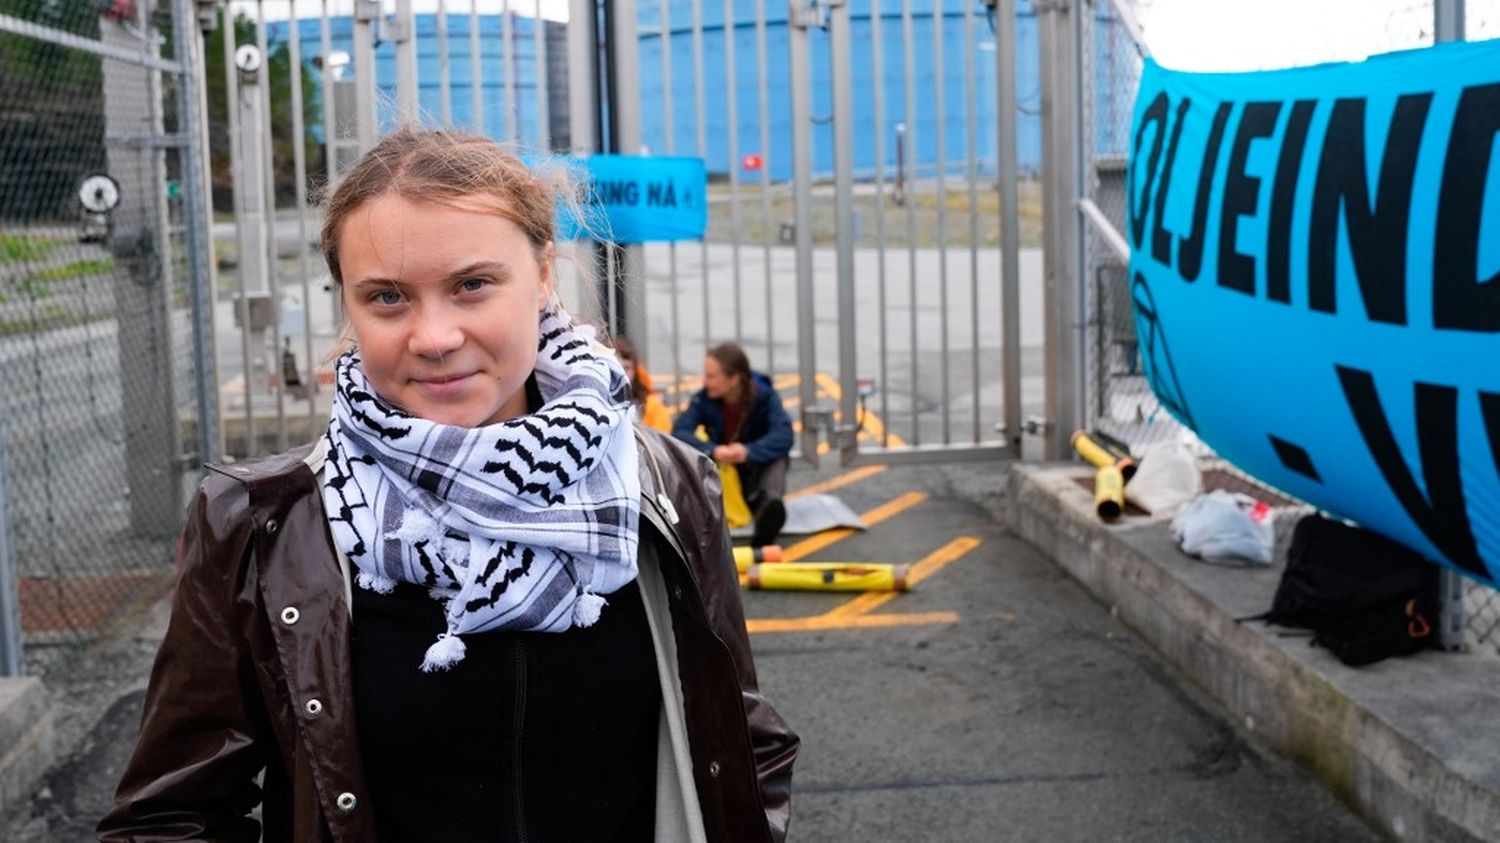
(532,736)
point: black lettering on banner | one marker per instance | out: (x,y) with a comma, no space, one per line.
(1161,239)
(1190,248)
(1377,231)
(1241,195)
(1461,301)
(1156,113)
(1440,514)
(1283,193)
(661,195)
(615,192)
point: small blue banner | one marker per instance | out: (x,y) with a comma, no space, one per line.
(1315,269)
(639,199)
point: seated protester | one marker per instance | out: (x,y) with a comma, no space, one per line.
(748,428)
(645,403)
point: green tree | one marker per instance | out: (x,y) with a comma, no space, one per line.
(279,68)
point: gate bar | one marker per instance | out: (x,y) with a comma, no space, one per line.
(232,96)
(476,71)
(406,62)
(273,269)
(845,438)
(669,125)
(802,189)
(877,70)
(971,144)
(908,62)
(11,662)
(543,85)
(941,133)
(702,128)
(38,32)
(732,114)
(763,106)
(299,161)
(445,73)
(1006,166)
(508,43)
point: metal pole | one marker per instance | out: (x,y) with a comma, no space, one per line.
(909,143)
(807,348)
(702,126)
(299,162)
(971,144)
(476,70)
(1448,20)
(539,48)
(669,131)
(1448,25)
(940,135)
(625,136)
(237,160)
(331,131)
(273,267)
(1061,221)
(365,14)
(877,70)
(843,193)
(732,115)
(763,106)
(508,43)
(583,134)
(406,62)
(1006,165)
(11,662)
(445,72)
(198,223)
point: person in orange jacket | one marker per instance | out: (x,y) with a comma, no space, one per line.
(647,401)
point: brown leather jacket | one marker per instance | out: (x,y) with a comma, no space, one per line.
(254,671)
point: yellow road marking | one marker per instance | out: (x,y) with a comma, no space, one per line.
(872,422)
(842,480)
(889,509)
(822,622)
(929,565)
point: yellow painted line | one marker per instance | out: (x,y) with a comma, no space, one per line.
(784,381)
(873,423)
(842,480)
(823,622)
(889,509)
(929,565)
(789,403)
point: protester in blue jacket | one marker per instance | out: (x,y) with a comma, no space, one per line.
(748,428)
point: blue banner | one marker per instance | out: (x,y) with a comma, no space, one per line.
(638,199)
(1316,273)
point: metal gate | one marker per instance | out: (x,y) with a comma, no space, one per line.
(104,407)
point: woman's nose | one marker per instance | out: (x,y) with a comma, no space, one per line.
(434,333)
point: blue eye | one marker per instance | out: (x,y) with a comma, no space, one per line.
(473,285)
(388,298)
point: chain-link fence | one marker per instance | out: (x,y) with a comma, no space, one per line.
(1119,401)
(98,402)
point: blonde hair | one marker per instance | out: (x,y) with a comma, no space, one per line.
(455,168)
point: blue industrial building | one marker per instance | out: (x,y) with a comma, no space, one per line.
(934,48)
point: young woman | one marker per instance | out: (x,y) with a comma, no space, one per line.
(484,606)
(647,406)
(748,428)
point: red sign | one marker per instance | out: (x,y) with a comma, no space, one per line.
(751,163)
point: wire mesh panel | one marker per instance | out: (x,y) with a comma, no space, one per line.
(98,393)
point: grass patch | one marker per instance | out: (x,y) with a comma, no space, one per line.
(22,247)
(38,284)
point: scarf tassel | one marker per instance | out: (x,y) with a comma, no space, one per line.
(445,653)
(378,583)
(587,608)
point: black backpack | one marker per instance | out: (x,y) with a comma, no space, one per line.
(1364,597)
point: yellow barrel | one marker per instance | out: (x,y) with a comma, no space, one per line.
(1100,456)
(744,557)
(827,576)
(1109,493)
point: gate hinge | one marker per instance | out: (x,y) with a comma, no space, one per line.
(803,15)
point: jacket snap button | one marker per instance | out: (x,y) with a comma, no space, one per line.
(713,769)
(289,615)
(677,592)
(271,527)
(346,801)
(314,707)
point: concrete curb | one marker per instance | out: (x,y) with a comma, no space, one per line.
(1409,743)
(27,747)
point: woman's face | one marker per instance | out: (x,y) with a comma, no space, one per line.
(444,306)
(716,383)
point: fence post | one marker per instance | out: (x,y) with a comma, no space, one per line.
(1448,25)
(197,221)
(10,598)
(1060,57)
(625,139)
(134,140)
(814,416)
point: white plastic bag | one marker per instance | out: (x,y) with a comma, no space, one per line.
(1166,478)
(1226,527)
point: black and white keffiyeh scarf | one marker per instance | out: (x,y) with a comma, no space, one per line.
(518,525)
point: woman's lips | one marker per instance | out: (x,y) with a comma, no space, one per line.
(443,386)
